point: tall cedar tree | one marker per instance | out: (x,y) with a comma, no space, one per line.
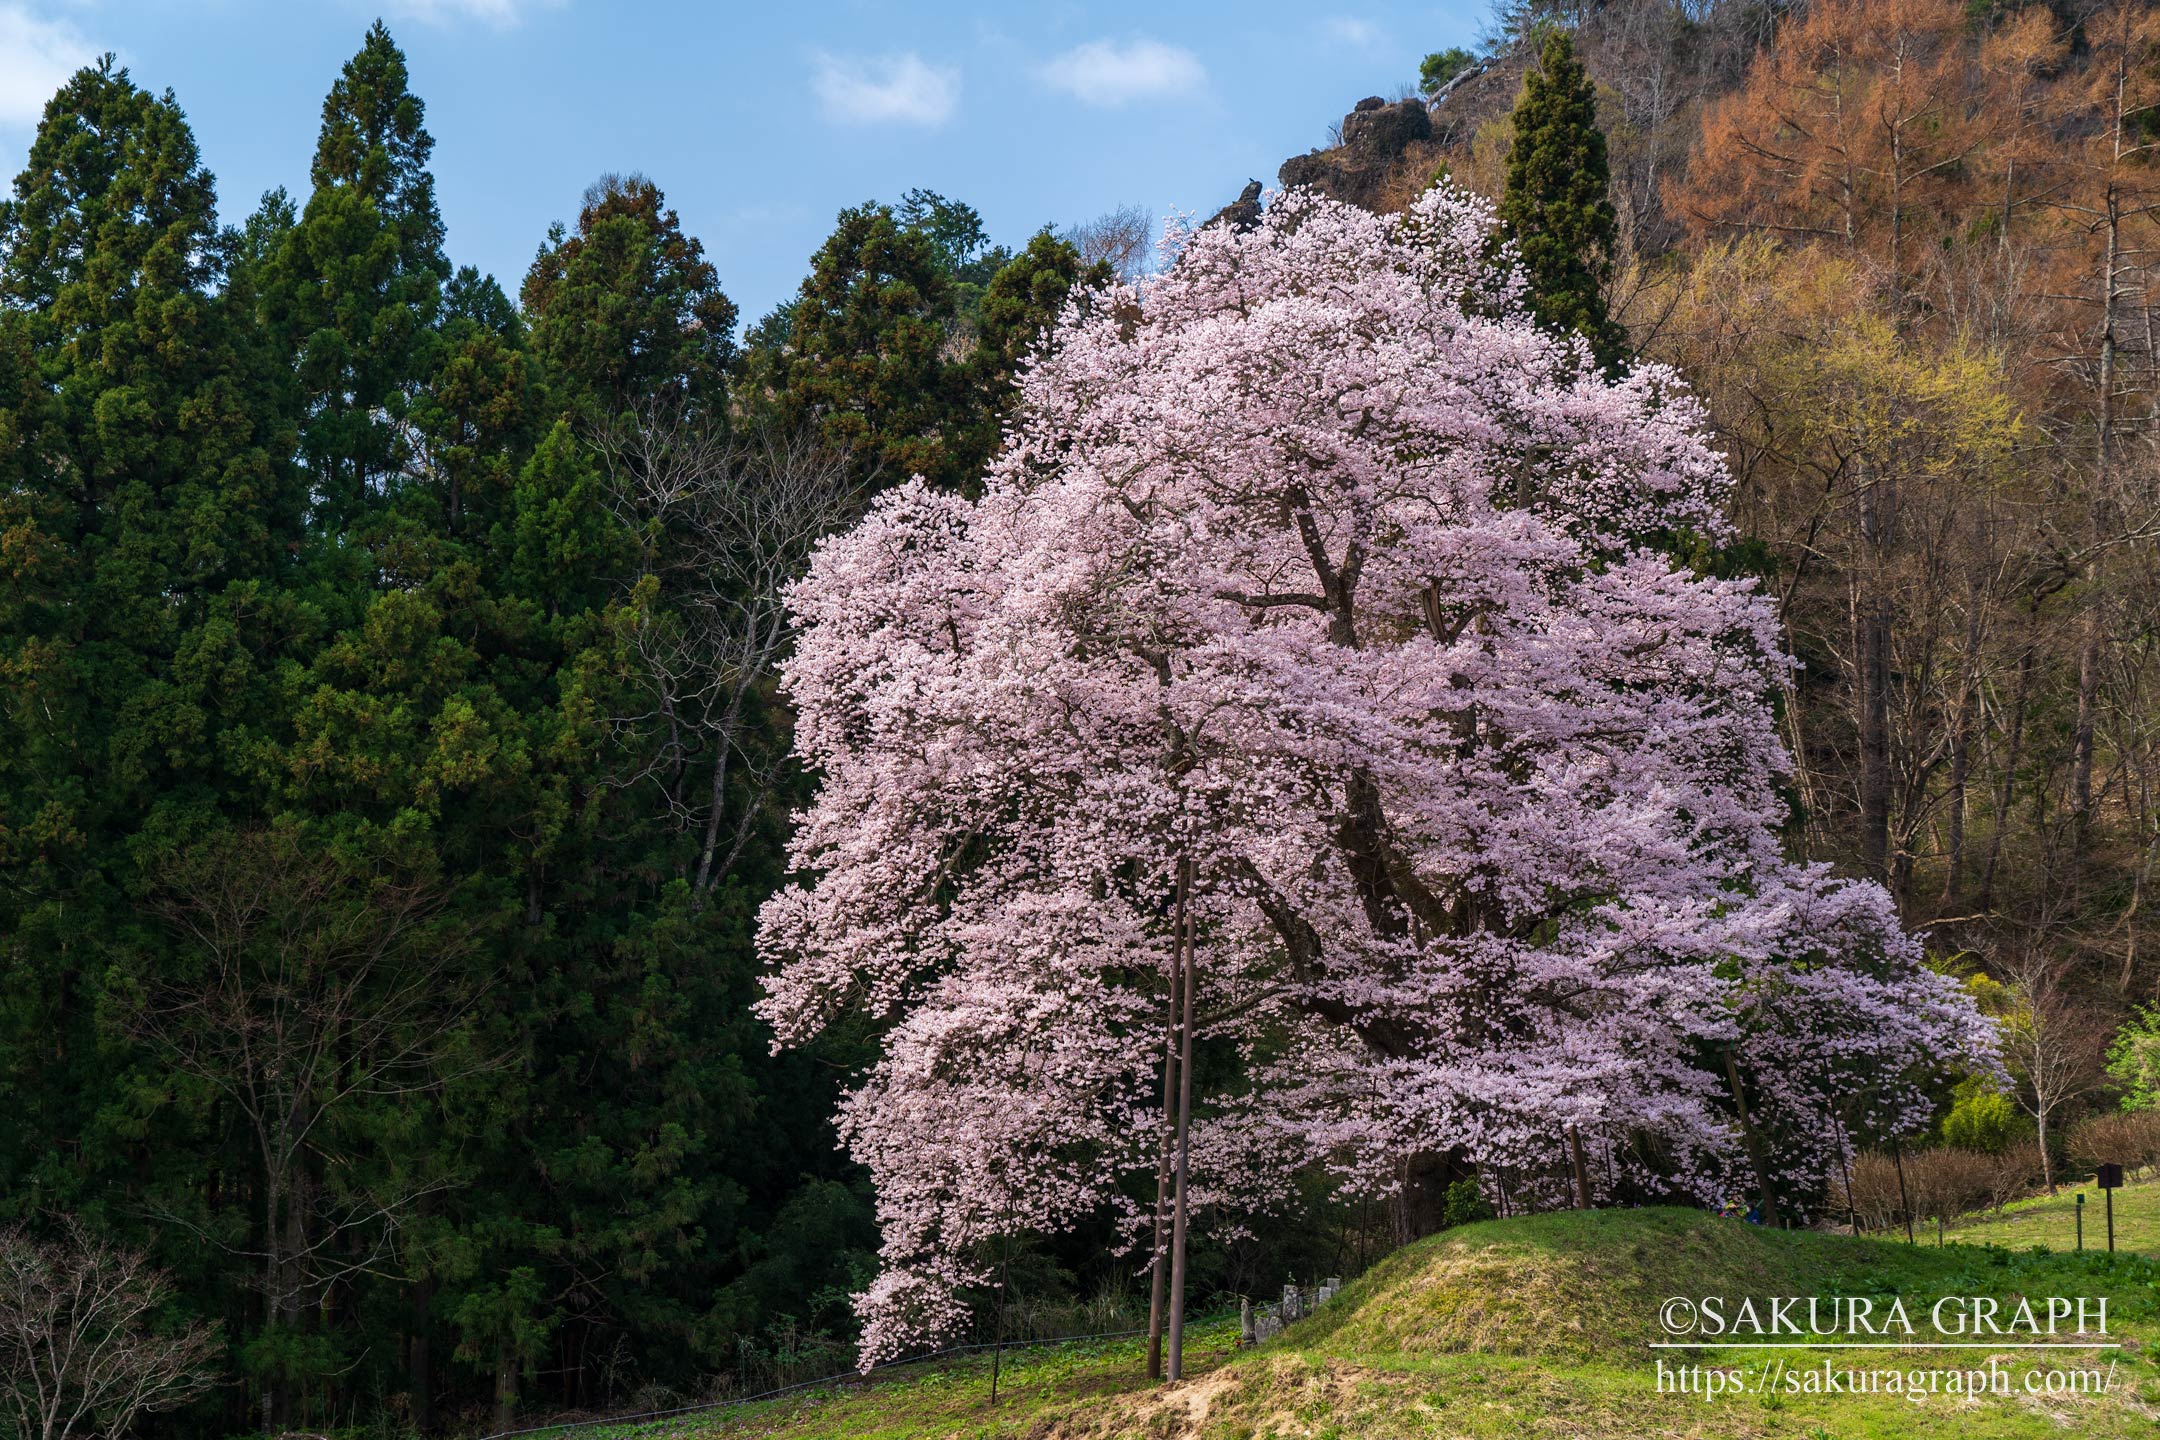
(1018,309)
(955,228)
(1557,205)
(477,414)
(149,518)
(360,288)
(628,309)
(864,363)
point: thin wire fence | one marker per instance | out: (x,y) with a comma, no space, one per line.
(841,1378)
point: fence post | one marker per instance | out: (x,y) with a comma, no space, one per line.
(1897,1154)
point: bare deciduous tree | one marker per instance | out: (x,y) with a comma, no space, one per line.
(81,1349)
(1974,719)
(306,987)
(1123,239)
(723,524)
(2052,1042)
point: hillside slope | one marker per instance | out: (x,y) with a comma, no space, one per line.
(1541,1327)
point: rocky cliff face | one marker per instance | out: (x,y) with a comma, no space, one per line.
(1658,67)
(1242,213)
(1379,142)
(1389,152)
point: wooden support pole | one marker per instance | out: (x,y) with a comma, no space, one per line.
(1158,1278)
(1184,1144)
(997,1352)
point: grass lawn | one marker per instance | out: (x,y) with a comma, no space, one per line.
(1542,1327)
(2051,1220)
(949,1398)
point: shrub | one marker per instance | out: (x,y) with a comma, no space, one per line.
(1867,1189)
(2017,1173)
(2134,1060)
(1945,1181)
(1464,1203)
(2128,1138)
(1983,1118)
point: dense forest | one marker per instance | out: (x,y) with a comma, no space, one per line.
(391,764)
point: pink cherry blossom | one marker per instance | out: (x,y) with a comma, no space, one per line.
(1315,563)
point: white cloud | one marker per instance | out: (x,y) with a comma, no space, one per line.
(1349,30)
(1105,72)
(500,13)
(36,57)
(900,89)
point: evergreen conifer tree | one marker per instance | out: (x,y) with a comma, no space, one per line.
(864,363)
(1019,306)
(360,285)
(955,229)
(626,309)
(148,518)
(478,411)
(1557,205)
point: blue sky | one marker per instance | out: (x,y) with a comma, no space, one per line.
(760,121)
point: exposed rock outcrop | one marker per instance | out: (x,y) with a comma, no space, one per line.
(1242,213)
(1377,137)
(1382,131)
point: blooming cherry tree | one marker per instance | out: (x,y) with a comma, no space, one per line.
(1314,571)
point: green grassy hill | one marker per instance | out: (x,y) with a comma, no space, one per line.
(1541,1327)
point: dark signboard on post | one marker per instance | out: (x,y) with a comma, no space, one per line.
(2108,1177)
